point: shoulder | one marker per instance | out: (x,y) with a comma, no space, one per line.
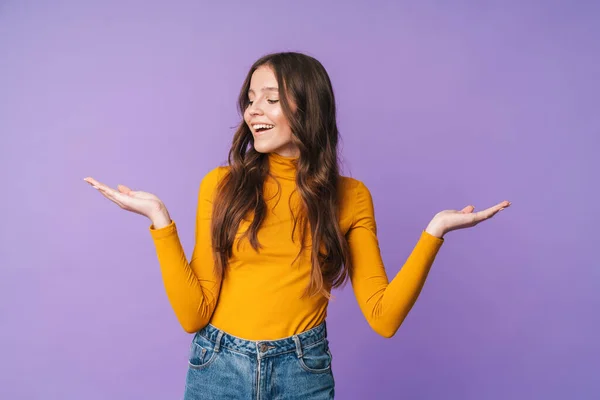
(212,178)
(355,199)
(353,188)
(215,175)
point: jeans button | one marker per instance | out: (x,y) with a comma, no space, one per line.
(263,347)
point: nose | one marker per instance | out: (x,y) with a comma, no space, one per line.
(254,109)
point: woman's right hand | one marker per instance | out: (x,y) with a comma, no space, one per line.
(139,202)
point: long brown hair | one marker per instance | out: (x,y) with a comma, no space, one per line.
(305,88)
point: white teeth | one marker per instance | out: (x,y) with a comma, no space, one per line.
(262,126)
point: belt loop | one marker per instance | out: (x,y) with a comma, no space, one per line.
(298,345)
(218,344)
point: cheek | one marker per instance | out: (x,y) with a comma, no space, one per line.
(274,113)
(278,118)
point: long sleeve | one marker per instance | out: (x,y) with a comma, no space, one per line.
(192,288)
(385,304)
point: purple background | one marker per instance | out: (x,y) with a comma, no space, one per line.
(440,106)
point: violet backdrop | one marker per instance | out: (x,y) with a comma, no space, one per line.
(441,105)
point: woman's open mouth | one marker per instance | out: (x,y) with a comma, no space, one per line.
(260,129)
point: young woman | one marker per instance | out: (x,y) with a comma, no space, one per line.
(276,230)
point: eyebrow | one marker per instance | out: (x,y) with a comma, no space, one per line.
(266,88)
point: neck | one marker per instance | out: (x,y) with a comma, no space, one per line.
(282,166)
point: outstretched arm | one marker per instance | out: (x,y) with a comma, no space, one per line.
(192,288)
(386,304)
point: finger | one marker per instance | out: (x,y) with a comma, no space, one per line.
(501,206)
(96,184)
(106,189)
(91,180)
(112,198)
(124,189)
(111,193)
(490,212)
(468,209)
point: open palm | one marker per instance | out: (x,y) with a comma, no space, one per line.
(136,201)
(450,220)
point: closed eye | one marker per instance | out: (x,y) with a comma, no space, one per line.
(250,102)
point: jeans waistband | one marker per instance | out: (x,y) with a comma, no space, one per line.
(264,348)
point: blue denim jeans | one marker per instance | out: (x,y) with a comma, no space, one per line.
(222,366)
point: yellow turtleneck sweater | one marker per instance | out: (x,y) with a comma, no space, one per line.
(260,296)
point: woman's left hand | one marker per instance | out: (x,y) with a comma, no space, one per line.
(450,220)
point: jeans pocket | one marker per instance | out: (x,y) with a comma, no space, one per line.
(202,353)
(316,358)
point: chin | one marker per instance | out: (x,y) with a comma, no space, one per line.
(271,146)
(261,148)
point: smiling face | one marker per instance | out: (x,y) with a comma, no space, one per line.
(264,116)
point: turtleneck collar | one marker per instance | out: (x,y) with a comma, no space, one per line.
(282,167)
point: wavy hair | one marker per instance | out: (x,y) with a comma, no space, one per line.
(308,103)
